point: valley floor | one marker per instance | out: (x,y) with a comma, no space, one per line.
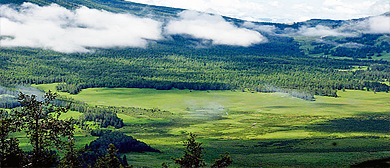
(257,129)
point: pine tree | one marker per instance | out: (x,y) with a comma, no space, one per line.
(110,160)
(124,161)
(192,157)
(224,161)
(71,158)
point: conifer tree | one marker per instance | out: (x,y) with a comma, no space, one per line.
(110,160)
(193,154)
(224,161)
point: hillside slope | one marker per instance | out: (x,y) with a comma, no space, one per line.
(293,58)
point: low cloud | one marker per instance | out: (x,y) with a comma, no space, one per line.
(351,45)
(345,45)
(320,30)
(285,11)
(374,25)
(261,28)
(56,28)
(379,24)
(212,27)
(59,29)
(243,9)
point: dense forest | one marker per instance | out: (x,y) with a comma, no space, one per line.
(283,64)
(164,66)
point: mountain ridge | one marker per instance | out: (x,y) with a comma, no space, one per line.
(163,12)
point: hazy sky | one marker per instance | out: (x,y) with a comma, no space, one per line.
(281,10)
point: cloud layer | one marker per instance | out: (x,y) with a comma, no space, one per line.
(212,27)
(380,24)
(322,31)
(372,25)
(281,10)
(54,27)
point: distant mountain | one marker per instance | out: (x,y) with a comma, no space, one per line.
(161,12)
(117,6)
(281,37)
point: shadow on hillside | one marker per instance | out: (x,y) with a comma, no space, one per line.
(332,105)
(373,163)
(374,123)
(279,107)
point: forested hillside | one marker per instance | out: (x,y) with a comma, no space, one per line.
(147,69)
(284,63)
(97,54)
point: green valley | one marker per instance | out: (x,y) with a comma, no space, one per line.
(133,81)
(304,133)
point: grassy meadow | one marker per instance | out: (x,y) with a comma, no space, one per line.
(258,129)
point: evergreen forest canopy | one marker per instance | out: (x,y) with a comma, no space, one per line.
(303,68)
(216,68)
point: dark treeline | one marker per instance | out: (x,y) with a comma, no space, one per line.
(131,111)
(166,65)
(100,132)
(102,118)
(101,115)
(105,116)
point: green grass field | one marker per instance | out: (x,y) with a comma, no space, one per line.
(192,102)
(258,129)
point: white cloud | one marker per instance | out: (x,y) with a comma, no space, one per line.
(377,24)
(233,8)
(380,24)
(212,27)
(333,2)
(281,10)
(303,7)
(345,8)
(351,45)
(380,7)
(321,31)
(54,27)
(274,3)
(261,28)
